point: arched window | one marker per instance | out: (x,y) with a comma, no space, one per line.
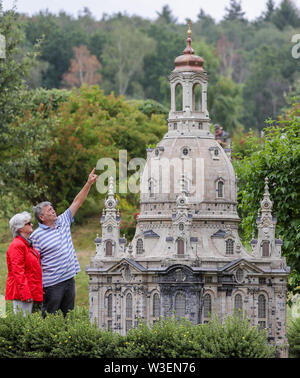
(151,187)
(206,306)
(178,97)
(262,311)
(197,97)
(156,305)
(108,248)
(128,305)
(109,305)
(180,305)
(128,312)
(239,274)
(220,189)
(229,246)
(180,247)
(261,306)
(265,248)
(238,304)
(139,247)
(109,311)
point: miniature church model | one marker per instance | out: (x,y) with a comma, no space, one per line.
(186,258)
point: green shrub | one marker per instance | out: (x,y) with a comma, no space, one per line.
(41,336)
(293,335)
(182,339)
(74,336)
(233,339)
(81,339)
(165,338)
(11,333)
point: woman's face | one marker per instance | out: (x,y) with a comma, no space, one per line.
(27,229)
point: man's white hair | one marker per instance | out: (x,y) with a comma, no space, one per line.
(18,221)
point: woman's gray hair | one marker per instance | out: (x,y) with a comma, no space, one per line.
(18,221)
(38,209)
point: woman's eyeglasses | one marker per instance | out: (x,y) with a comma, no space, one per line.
(26,224)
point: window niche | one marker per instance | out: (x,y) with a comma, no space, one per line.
(197,97)
(139,247)
(128,312)
(265,247)
(108,248)
(262,311)
(229,246)
(207,307)
(180,247)
(109,311)
(220,185)
(178,98)
(151,187)
(156,305)
(180,304)
(238,304)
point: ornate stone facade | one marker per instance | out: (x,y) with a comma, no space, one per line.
(186,255)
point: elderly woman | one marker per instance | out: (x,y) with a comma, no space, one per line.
(24,276)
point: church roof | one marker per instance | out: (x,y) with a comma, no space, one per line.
(189,61)
(150,234)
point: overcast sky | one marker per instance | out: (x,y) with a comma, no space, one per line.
(181,9)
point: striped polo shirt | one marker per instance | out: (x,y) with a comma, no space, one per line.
(55,246)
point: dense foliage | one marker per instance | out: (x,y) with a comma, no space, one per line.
(75,336)
(68,132)
(276,156)
(250,60)
(294,338)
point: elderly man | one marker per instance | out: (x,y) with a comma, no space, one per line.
(52,239)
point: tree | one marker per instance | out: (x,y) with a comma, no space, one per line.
(15,142)
(157,66)
(61,33)
(286,14)
(165,16)
(227,52)
(234,11)
(84,69)
(226,104)
(82,126)
(264,88)
(279,160)
(268,14)
(124,53)
(13,71)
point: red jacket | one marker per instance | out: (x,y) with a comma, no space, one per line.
(24,276)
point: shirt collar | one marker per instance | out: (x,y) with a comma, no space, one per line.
(44,227)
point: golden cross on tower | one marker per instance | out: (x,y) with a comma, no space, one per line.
(189,22)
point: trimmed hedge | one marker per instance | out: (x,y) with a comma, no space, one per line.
(74,336)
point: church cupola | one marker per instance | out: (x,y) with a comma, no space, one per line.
(189,61)
(188,81)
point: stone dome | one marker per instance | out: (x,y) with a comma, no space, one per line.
(198,167)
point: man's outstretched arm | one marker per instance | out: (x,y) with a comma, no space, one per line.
(81,196)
